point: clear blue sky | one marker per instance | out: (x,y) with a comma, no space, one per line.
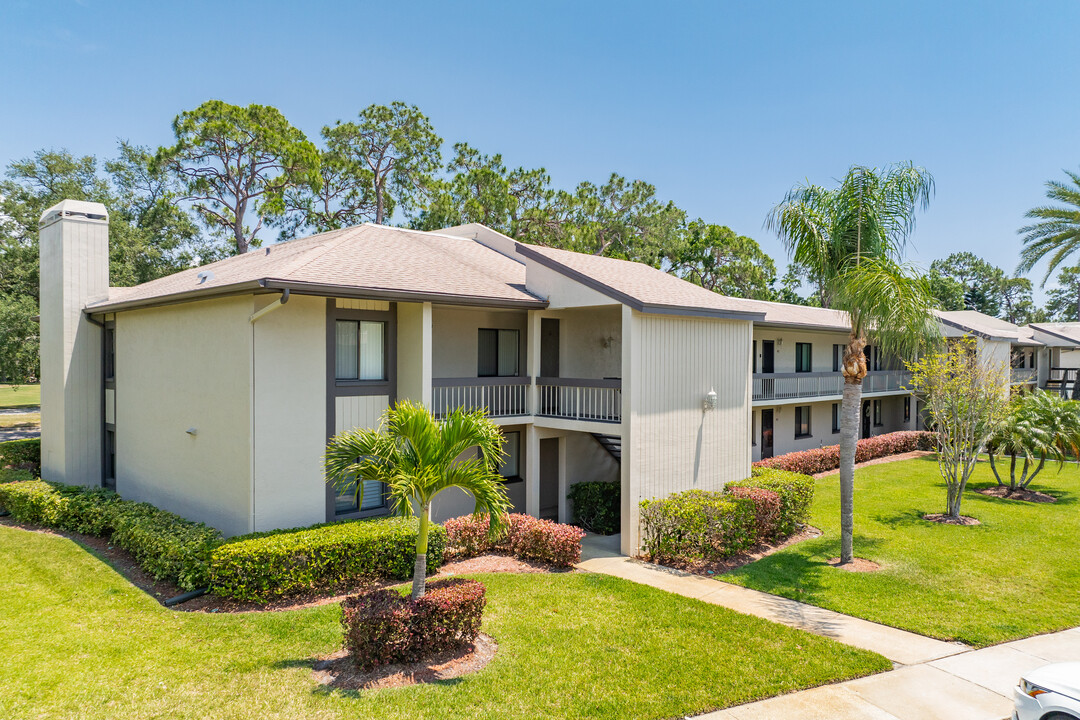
(722,105)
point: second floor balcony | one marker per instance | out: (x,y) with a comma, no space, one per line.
(591,399)
(794,386)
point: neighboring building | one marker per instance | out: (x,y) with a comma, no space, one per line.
(212,392)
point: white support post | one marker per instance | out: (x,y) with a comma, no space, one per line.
(532,471)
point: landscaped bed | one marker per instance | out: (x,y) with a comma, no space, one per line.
(1015,574)
(81,641)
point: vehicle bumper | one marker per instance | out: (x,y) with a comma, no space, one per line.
(1025,706)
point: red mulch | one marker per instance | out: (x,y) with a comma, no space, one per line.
(337,670)
(859,565)
(719,567)
(161,590)
(1023,494)
(947,520)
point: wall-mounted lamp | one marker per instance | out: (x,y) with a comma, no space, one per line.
(710,400)
(779,342)
(192,431)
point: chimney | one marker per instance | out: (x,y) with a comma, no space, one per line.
(73,241)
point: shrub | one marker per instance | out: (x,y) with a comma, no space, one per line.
(382,627)
(796,493)
(697,525)
(766,510)
(596,506)
(30,501)
(165,545)
(824,459)
(523,536)
(21,454)
(321,557)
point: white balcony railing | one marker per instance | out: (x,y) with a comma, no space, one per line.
(1022,376)
(501,397)
(789,386)
(580,399)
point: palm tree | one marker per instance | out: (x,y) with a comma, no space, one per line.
(851,240)
(417,457)
(1040,426)
(1057,232)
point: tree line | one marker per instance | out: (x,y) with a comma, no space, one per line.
(233,176)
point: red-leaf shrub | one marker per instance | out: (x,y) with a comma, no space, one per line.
(523,536)
(383,627)
(796,493)
(824,459)
(766,510)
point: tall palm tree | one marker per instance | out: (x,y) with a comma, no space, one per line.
(417,457)
(1057,232)
(851,239)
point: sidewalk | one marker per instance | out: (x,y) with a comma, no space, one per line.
(933,679)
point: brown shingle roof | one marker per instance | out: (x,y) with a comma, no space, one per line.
(366,260)
(640,286)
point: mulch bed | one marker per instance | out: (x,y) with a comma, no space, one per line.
(859,565)
(161,590)
(879,461)
(719,567)
(338,672)
(1023,494)
(947,520)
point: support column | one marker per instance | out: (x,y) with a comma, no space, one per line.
(414,353)
(564,485)
(631,486)
(532,359)
(532,471)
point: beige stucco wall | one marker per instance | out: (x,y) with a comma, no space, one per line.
(455,343)
(454,502)
(180,367)
(290,413)
(784,348)
(559,290)
(670,443)
(590,341)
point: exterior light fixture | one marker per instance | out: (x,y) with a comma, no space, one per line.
(710,400)
(192,431)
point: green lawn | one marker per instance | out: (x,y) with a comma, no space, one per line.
(79,641)
(19,396)
(1017,574)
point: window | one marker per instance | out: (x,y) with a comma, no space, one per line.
(110,352)
(802,421)
(510,469)
(836,417)
(1018,358)
(346,501)
(837,357)
(1034,359)
(803,357)
(497,354)
(753,355)
(360,350)
(877,412)
(907,409)
(110,459)
(753,428)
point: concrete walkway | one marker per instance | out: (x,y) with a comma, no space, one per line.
(933,679)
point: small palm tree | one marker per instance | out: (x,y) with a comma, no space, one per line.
(1040,426)
(417,457)
(851,240)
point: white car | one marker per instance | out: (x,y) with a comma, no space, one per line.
(1051,692)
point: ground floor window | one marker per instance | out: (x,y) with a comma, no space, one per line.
(836,417)
(802,421)
(877,412)
(374,498)
(510,468)
(907,409)
(110,458)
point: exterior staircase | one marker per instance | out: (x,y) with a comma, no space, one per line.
(611,443)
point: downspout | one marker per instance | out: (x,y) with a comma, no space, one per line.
(252,320)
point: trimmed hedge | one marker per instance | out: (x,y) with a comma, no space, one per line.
(824,459)
(320,557)
(382,627)
(766,510)
(21,454)
(165,545)
(597,506)
(697,525)
(796,493)
(523,536)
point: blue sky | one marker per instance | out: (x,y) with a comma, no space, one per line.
(722,105)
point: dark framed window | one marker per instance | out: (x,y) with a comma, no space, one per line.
(1017,360)
(110,352)
(907,409)
(837,357)
(1034,359)
(836,417)
(360,350)
(753,429)
(802,421)
(110,458)
(877,412)
(803,357)
(753,356)
(346,501)
(510,468)
(498,353)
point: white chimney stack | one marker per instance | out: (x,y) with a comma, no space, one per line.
(74,245)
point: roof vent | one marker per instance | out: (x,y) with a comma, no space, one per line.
(205,276)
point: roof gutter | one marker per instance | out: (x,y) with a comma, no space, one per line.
(271,307)
(345,291)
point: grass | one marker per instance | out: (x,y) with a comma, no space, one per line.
(19,420)
(80,641)
(20,396)
(1015,575)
